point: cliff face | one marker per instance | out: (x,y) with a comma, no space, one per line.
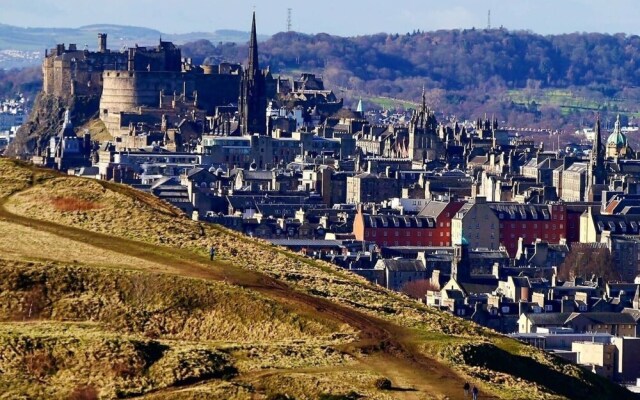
(46,119)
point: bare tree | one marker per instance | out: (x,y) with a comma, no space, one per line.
(586,261)
(418,289)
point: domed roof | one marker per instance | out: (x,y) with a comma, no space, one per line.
(617,138)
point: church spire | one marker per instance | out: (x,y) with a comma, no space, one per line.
(596,151)
(253,66)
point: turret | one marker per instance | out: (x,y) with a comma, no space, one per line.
(102,42)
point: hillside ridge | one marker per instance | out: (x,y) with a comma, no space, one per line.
(427,353)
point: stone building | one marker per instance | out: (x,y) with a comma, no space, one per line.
(69,71)
(424,142)
(369,188)
(257,87)
(475,224)
(166,83)
(617,144)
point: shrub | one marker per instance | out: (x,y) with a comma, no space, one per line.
(280,396)
(84,393)
(40,364)
(349,396)
(383,384)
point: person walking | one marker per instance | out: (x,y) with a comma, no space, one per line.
(212,253)
(474,392)
(466,389)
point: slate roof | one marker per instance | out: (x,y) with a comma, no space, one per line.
(402,265)
(548,318)
(605,318)
(617,224)
(398,221)
(521,212)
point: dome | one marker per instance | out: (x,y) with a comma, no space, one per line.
(617,138)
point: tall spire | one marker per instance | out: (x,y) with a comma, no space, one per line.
(253,66)
(596,151)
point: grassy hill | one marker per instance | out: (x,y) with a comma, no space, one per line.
(107,292)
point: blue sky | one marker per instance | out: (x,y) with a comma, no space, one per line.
(339,17)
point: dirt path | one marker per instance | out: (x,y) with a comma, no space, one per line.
(391,347)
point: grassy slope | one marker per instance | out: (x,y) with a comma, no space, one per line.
(426,350)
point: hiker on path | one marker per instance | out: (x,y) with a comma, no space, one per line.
(474,392)
(212,253)
(466,389)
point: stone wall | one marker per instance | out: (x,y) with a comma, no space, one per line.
(127,91)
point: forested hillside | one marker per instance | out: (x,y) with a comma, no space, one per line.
(453,59)
(549,78)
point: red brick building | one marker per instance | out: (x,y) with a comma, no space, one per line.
(531,222)
(442,212)
(396,230)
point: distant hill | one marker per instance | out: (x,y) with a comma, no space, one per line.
(525,79)
(21,47)
(522,77)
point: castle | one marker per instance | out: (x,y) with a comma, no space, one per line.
(145,81)
(68,71)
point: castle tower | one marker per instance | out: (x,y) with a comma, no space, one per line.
(102,42)
(253,98)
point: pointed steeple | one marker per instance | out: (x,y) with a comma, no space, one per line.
(596,151)
(596,172)
(253,67)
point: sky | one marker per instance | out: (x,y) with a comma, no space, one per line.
(337,17)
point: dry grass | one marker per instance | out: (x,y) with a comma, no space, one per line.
(53,361)
(159,306)
(66,204)
(97,129)
(20,243)
(127,213)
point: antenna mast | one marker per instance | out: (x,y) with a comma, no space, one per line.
(489,19)
(289,19)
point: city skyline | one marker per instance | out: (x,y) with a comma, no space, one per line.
(338,18)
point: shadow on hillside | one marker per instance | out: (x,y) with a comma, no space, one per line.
(497,359)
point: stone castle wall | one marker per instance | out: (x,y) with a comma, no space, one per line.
(70,72)
(128,91)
